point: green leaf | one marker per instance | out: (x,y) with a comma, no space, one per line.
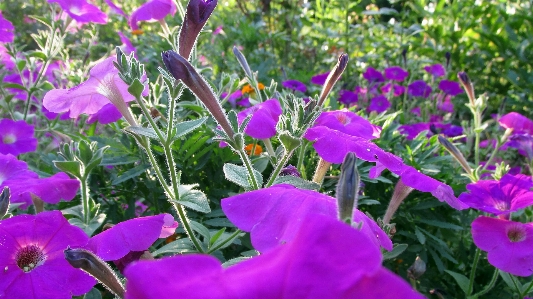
(93,225)
(94,293)
(193,199)
(509,281)
(296,182)
(136,88)
(239,175)
(142,131)
(461,280)
(289,142)
(179,246)
(187,127)
(72,167)
(217,235)
(420,236)
(120,159)
(131,173)
(226,240)
(201,229)
(38,54)
(219,222)
(441,224)
(14,86)
(396,251)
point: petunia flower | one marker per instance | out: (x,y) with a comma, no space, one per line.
(23,182)
(412,130)
(348,122)
(273,215)
(294,85)
(127,46)
(108,114)
(517,122)
(396,73)
(16,137)
(82,11)
(320,79)
(450,87)
(5,58)
(134,235)
(332,146)
(373,76)
(419,88)
(114,8)
(446,105)
(264,119)
(523,143)
(436,70)
(379,104)
(348,98)
(104,86)
(152,11)
(32,261)
(327,259)
(6,30)
(508,244)
(397,90)
(510,194)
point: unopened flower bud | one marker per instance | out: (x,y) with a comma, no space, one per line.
(242,61)
(198,12)
(290,170)
(90,263)
(400,193)
(468,86)
(38,203)
(404,57)
(348,188)
(417,269)
(4,202)
(448,56)
(333,77)
(456,153)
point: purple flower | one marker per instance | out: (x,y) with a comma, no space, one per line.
(347,98)
(396,73)
(419,88)
(508,244)
(412,130)
(332,146)
(274,215)
(294,85)
(6,30)
(379,104)
(446,105)
(326,259)
(416,111)
(349,123)
(5,59)
(373,76)
(398,90)
(16,137)
(450,87)
(509,194)
(290,170)
(32,260)
(517,122)
(152,11)
(265,116)
(524,144)
(23,182)
(219,30)
(114,8)
(82,11)
(320,79)
(436,70)
(134,235)
(127,47)
(104,86)
(108,114)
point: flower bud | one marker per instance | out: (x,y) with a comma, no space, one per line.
(333,77)
(38,203)
(348,188)
(4,202)
(456,153)
(448,56)
(90,263)
(417,269)
(198,12)
(400,193)
(468,86)
(404,57)
(242,61)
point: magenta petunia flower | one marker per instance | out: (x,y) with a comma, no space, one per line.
(82,11)
(294,85)
(446,105)
(327,259)
(6,30)
(32,261)
(16,137)
(114,8)
(396,73)
(508,244)
(452,88)
(348,98)
(5,58)
(104,86)
(320,79)
(349,123)
(523,143)
(397,90)
(265,116)
(134,235)
(419,88)
(127,46)
(373,76)
(517,122)
(509,194)
(152,11)
(332,146)
(108,114)
(23,182)
(412,130)
(274,215)
(436,70)
(379,104)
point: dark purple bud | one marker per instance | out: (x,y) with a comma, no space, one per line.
(404,57)
(468,86)
(90,263)
(333,77)
(198,12)
(4,202)
(448,56)
(290,170)
(348,188)
(182,70)
(433,129)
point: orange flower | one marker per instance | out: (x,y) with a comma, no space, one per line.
(261,86)
(258,149)
(137,32)
(249,89)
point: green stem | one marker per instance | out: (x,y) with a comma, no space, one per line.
(278,168)
(269,148)
(84,192)
(528,288)
(213,249)
(248,164)
(490,285)
(473,272)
